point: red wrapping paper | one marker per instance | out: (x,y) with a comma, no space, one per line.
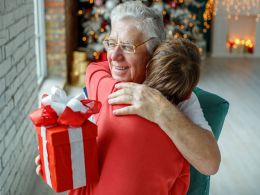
(59,147)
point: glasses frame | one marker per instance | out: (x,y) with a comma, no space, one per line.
(105,43)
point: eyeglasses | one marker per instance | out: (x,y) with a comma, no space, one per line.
(111,44)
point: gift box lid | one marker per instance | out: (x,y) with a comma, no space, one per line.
(57,135)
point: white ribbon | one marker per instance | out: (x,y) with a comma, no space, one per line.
(77,157)
(45,156)
(92,119)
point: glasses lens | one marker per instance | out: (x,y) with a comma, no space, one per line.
(109,44)
(128,48)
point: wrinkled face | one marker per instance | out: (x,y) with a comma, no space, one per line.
(124,66)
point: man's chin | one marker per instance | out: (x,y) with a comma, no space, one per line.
(120,78)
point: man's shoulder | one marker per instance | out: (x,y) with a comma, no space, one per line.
(103,63)
(94,67)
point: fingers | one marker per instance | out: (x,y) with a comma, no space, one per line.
(125,111)
(120,92)
(38,163)
(39,170)
(124,99)
(126,85)
(37,160)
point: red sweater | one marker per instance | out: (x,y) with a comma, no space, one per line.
(135,155)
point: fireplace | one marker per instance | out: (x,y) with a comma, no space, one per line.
(236,36)
(241,34)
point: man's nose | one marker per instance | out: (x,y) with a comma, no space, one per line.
(117,53)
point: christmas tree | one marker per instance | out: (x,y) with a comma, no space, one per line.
(182,18)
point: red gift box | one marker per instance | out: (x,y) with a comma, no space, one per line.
(68,154)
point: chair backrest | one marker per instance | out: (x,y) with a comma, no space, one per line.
(215,110)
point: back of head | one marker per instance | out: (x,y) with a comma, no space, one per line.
(174,69)
(150,22)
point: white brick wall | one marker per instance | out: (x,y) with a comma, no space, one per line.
(18,97)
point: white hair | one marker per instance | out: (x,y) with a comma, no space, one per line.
(150,23)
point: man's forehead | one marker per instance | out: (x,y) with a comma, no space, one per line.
(127,39)
(124,31)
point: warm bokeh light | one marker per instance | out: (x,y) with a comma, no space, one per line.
(239,7)
(84,38)
(245,45)
(80,12)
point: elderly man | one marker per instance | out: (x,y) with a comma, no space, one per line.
(144,31)
(136,32)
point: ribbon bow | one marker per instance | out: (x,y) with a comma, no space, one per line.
(56,109)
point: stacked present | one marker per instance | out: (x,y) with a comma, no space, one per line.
(79,65)
(67,140)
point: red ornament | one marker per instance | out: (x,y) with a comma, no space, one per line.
(103,56)
(173,5)
(104,24)
(250,49)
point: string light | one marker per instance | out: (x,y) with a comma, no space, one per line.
(164,12)
(177,35)
(96,55)
(208,14)
(80,12)
(239,7)
(84,38)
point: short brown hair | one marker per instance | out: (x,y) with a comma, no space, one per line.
(174,69)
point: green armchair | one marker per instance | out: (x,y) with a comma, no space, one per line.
(215,110)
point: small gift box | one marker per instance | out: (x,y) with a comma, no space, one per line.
(67,141)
